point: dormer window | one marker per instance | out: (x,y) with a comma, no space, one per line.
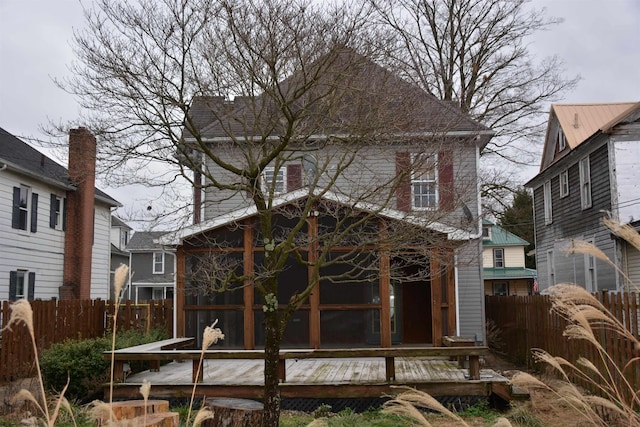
(486,233)
(562,140)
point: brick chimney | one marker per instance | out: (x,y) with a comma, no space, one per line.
(78,242)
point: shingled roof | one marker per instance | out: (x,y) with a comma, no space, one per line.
(371,94)
(20,157)
(145,240)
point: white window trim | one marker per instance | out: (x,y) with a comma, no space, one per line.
(589,262)
(266,184)
(59,213)
(154,270)
(562,140)
(551,268)
(25,284)
(27,225)
(495,250)
(563,179)
(585,183)
(548,204)
(415,180)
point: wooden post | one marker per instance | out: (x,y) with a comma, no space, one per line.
(436,297)
(385,290)
(195,378)
(390,368)
(282,370)
(314,297)
(474,367)
(248,296)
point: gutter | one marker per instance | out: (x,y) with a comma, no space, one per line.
(28,173)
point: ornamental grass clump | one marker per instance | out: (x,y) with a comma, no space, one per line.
(210,336)
(613,397)
(412,403)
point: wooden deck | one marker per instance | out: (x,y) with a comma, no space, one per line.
(317,378)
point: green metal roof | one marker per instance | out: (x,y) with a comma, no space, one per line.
(501,237)
(509,273)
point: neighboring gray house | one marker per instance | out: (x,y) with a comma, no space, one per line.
(152,267)
(437,157)
(589,171)
(120,234)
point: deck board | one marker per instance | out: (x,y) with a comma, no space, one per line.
(246,377)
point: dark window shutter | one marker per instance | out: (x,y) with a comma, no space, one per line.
(13,282)
(15,216)
(32,286)
(403,172)
(52,211)
(294,177)
(64,214)
(34,212)
(445,180)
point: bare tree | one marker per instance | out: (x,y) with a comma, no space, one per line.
(475,53)
(228,94)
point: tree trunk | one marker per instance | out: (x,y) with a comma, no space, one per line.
(232,412)
(271,415)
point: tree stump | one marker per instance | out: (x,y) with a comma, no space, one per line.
(230,412)
(134,409)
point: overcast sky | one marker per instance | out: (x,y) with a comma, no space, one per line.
(599,39)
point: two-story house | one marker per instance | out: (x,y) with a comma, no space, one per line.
(503,259)
(421,175)
(54,224)
(589,171)
(151,266)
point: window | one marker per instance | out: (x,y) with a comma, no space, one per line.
(564,183)
(25,209)
(562,140)
(486,233)
(590,270)
(158,263)
(498,258)
(124,238)
(424,181)
(501,289)
(551,268)
(278,183)
(56,212)
(548,210)
(585,183)
(157,294)
(21,285)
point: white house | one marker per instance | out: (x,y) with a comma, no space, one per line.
(54,230)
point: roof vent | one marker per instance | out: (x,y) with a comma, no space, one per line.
(575,121)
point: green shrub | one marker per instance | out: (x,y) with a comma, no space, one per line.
(82,361)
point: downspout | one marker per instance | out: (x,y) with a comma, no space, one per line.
(175,294)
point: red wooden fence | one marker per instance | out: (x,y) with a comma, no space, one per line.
(56,321)
(526,322)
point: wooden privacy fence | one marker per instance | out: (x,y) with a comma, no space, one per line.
(58,320)
(526,322)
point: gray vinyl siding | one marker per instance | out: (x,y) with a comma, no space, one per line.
(371,168)
(470,291)
(570,221)
(142,268)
